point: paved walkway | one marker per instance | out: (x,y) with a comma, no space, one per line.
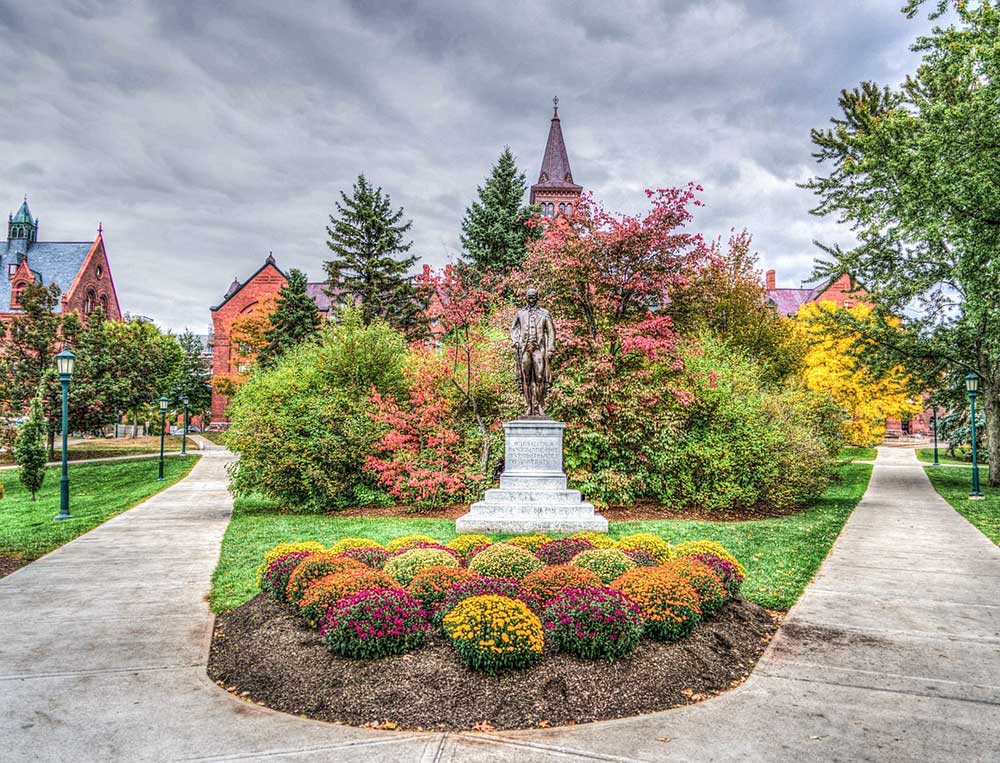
(893,653)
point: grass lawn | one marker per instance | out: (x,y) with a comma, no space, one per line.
(954,486)
(781,555)
(97,493)
(854,453)
(927,456)
(217,437)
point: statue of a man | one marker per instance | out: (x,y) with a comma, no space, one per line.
(533,337)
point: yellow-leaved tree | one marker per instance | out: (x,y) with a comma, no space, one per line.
(831,366)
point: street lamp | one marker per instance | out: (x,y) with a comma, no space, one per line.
(972,387)
(65,361)
(184,434)
(164,402)
(934,421)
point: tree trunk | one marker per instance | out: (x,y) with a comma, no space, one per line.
(992,438)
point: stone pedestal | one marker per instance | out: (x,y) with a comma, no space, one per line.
(532,495)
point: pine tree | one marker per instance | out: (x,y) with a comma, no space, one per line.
(369,268)
(294,320)
(494,232)
(29,449)
(195,376)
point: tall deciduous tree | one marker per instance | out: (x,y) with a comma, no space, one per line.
(294,320)
(28,349)
(497,226)
(29,449)
(370,265)
(148,364)
(915,170)
(194,380)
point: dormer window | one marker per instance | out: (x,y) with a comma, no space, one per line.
(15,295)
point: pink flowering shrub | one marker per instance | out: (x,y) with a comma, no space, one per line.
(727,571)
(561,551)
(484,586)
(594,623)
(375,623)
(276,574)
(370,557)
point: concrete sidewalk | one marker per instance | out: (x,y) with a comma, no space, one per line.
(893,653)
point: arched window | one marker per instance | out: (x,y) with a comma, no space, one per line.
(562,208)
(100,271)
(552,210)
(15,296)
(569,209)
(88,306)
(104,303)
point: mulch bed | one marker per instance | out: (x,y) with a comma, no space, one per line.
(264,653)
(10,563)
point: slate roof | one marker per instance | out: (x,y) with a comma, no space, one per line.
(55,262)
(318,293)
(555,174)
(23,214)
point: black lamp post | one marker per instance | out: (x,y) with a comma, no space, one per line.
(65,361)
(972,388)
(184,434)
(934,421)
(164,402)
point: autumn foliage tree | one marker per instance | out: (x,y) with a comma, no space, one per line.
(834,365)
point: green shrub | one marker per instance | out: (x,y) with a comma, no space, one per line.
(405,567)
(502,560)
(302,429)
(29,448)
(606,563)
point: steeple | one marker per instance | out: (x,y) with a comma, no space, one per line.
(22,229)
(555,190)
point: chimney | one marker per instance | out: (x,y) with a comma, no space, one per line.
(770,280)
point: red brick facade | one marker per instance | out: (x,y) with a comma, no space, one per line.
(94,285)
(241,299)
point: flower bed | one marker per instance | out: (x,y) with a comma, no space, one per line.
(503,607)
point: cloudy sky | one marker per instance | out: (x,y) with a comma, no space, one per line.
(205,135)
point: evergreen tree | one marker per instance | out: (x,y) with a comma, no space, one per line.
(29,449)
(294,320)
(495,235)
(195,376)
(370,267)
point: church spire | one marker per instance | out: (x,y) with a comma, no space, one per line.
(555,187)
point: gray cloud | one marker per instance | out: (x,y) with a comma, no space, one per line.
(205,135)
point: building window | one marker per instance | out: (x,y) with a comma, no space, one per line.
(15,297)
(104,303)
(88,306)
(562,208)
(100,271)
(552,210)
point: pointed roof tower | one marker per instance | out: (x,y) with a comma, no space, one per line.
(555,180)
(22,228)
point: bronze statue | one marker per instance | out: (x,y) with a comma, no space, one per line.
(533,337)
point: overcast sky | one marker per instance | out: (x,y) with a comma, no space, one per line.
(205,135)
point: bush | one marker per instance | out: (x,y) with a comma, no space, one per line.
(30,452)
(593,622)
(606,563)
(493,633)
(597,540)
(370,557)
(640,557)
(345,544)
(727,571)
(709,587)
(502,560)
(531,542)
(432,583)
(312,569)
(424,544)
(669,604)
(650,543)
(375,623)
(406,566)
(691,547)
(330,589)
(549,581)
(563,550)
(275,578)
(406,541)
(302,429)
(464,544)
(480,586)
(313,547)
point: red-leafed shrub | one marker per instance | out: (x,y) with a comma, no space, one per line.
(562,550)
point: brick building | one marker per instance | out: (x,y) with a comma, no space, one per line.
(240,299)
(80,269)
